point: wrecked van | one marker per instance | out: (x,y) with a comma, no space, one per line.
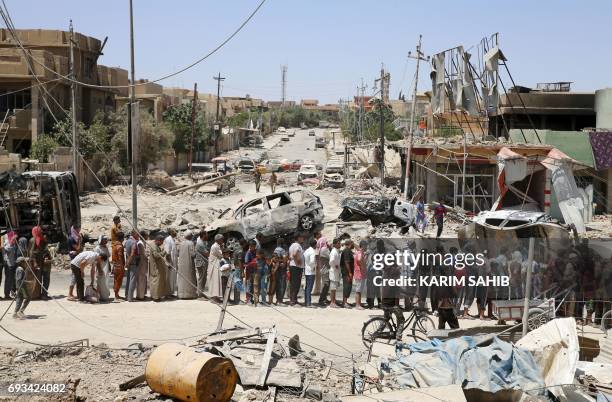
(273,215)
(48,199)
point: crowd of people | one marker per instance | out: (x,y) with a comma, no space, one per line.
(304,270)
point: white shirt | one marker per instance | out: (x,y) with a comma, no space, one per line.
(334,264)
(170,248)
(88,256)
(310,261)
(296,251)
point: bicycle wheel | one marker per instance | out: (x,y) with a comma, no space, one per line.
(422,325)
(606,321)
(375,330)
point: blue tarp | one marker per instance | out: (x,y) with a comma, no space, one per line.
(497,366)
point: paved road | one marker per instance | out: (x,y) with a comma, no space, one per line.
(302,146)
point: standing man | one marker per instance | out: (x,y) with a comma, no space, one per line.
(273,181)
(317,285)
(360,273)
(334,271)
(439,213)
(115,228)
(10,263)
(347,262)
(421,218)
(310,265)
(257,176)
(280,273)
(133,264)
(323,267)
(143,267)
(118,263)
(187,288)
(201,261)
(215,275)
(157,269)
(172,260)
(296,267)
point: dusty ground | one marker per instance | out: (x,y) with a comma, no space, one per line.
(331,334)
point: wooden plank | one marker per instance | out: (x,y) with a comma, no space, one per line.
(231,335)
(132,383)
(180,190)
(265,362)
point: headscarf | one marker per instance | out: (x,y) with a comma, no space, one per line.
(22,247)
(75,234)
(12,237)
(37,233)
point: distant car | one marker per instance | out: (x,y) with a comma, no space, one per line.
(335,180)
(284,138)
(293,165)
(292,133)
(245,164)
(270,165)
(307,172)
(334,166)
(281,130)
(320,142)
(311,133)
(274,215)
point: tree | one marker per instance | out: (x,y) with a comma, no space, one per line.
(178,121)
(43,147)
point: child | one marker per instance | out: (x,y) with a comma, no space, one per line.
(263,271)
(226,267)
(22,294)
(250,268)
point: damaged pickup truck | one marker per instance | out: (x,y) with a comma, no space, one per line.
(48,199)
(273,215)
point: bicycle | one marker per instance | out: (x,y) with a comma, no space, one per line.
(384,328)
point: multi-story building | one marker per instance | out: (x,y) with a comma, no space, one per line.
(31,92)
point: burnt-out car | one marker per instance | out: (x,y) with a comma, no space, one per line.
(273,215)
(48,199)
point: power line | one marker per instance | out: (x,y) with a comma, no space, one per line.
(216,49)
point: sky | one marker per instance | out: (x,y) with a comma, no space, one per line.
(330,45)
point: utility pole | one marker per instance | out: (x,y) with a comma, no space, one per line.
(283,85)
(193,125)
(381,105)
(218,78)
(131,132)
(419,56)
(75,140)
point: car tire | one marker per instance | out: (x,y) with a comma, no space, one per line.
(232,241)
(307,222)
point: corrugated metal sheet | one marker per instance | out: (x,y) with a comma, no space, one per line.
(576,144)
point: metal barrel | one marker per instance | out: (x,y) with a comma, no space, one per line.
(180,372)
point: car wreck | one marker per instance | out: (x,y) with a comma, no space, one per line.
(378,210)
(273,215)
(48,199)
(333,180)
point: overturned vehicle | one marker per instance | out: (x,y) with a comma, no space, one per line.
(48,199)
(273,215)
(378,210)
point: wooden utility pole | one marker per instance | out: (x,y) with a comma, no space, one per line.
(218,78)
(75,139)
(194,106)
(131,131)
(419,56)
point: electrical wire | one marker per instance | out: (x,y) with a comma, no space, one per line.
(170,75)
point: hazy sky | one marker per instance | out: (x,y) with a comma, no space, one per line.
(329,45)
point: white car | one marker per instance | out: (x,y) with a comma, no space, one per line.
(334,166)
(281,129)
(307,172)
